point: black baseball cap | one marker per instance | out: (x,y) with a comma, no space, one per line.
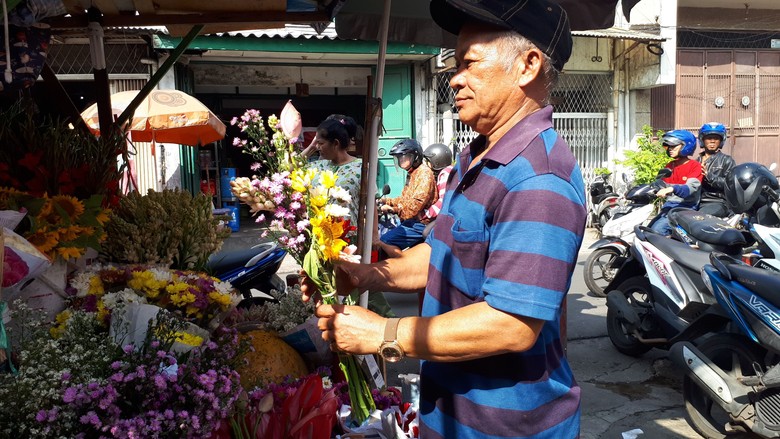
(544,23)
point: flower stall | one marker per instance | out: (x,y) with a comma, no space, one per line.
(145,343)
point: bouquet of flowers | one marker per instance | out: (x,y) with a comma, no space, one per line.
(60,226)
(277,154)
(192,296)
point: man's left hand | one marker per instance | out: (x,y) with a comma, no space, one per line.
(351,329)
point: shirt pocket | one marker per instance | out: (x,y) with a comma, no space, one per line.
(470,247)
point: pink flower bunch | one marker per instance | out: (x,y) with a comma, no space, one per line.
(14,268)
(150,392)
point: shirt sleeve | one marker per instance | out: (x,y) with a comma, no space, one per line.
(534,240)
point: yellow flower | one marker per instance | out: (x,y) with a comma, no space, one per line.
(70,252)
(189,339)
(71,205)
(102,313)
(43,240)
(318,196)
(299,182)
(96,286)
(61,321)
(102,216)
(146,283)
(180,294)
(223,300)
(328,234)
(328,179)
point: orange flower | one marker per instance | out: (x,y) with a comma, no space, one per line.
(70,252)
(72,206)
(43,240)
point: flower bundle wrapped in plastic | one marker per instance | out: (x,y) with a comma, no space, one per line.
(193,296)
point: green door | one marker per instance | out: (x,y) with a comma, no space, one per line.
(398,120)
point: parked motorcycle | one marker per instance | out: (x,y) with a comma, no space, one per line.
(386,221)
(657,297)
(251,271)
(603,200)
(732,381)
(609,252)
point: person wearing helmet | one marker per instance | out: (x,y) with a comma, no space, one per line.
(418,194)
(716,166)
(684,185)
(439,158)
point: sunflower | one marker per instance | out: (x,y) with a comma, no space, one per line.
(103,216)
(71,205)
(43,240)
(70,252)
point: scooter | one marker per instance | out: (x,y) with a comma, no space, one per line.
(732,381)
(251,271)
(386,221)
(609,252)
(603,200)
(657,296)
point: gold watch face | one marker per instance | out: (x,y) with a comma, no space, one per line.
(391,352)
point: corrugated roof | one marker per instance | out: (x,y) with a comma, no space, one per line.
(288,31)
(618,33)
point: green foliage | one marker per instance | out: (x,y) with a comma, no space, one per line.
(172,228)
(602,171)
(648,159)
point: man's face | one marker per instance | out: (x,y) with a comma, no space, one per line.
(711,142)
(485,93)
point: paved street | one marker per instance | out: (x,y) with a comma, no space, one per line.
(619,393)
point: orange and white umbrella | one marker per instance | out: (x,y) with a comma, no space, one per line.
(165,116)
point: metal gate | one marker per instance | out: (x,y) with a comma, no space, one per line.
(581,101)
(738,88)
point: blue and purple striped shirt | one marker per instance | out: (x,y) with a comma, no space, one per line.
(508,234)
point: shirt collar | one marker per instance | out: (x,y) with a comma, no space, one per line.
(514,142)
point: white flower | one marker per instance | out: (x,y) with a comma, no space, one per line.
(340,194)
(318,191)
(111,300)
(336,211)
(348,254)
(161,274)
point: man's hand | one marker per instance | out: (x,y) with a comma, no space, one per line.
(663,193)
(351,329)
(347,280)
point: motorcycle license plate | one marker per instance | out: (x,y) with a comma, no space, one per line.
(622,209)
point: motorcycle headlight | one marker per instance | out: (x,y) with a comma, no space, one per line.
(707,281)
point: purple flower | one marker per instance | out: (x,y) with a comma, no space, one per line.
(160,382)
(70,395)
(255,166)
(65,376)
(41,416)
(128,348)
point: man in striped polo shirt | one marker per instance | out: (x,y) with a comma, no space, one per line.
(502,252)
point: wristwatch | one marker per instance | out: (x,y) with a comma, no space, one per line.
(390,350)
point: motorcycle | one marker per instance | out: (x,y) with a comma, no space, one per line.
(386,221)
(634,208)
(732,381)
(251,271)
(657,297)
(603,200)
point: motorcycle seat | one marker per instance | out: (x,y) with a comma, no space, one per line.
(708,229)
(765,283)
(681,252)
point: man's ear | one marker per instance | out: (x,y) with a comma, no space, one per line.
(529,65)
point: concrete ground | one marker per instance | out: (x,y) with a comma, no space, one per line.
(620,394)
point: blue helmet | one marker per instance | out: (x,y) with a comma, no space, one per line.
(712,128)
(680,137)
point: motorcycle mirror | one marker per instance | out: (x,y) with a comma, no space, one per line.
(386,189)
(624,176)
(664,173)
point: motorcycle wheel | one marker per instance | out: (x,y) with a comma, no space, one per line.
(603,218)
(735,355)
(597,273)
(637,292)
